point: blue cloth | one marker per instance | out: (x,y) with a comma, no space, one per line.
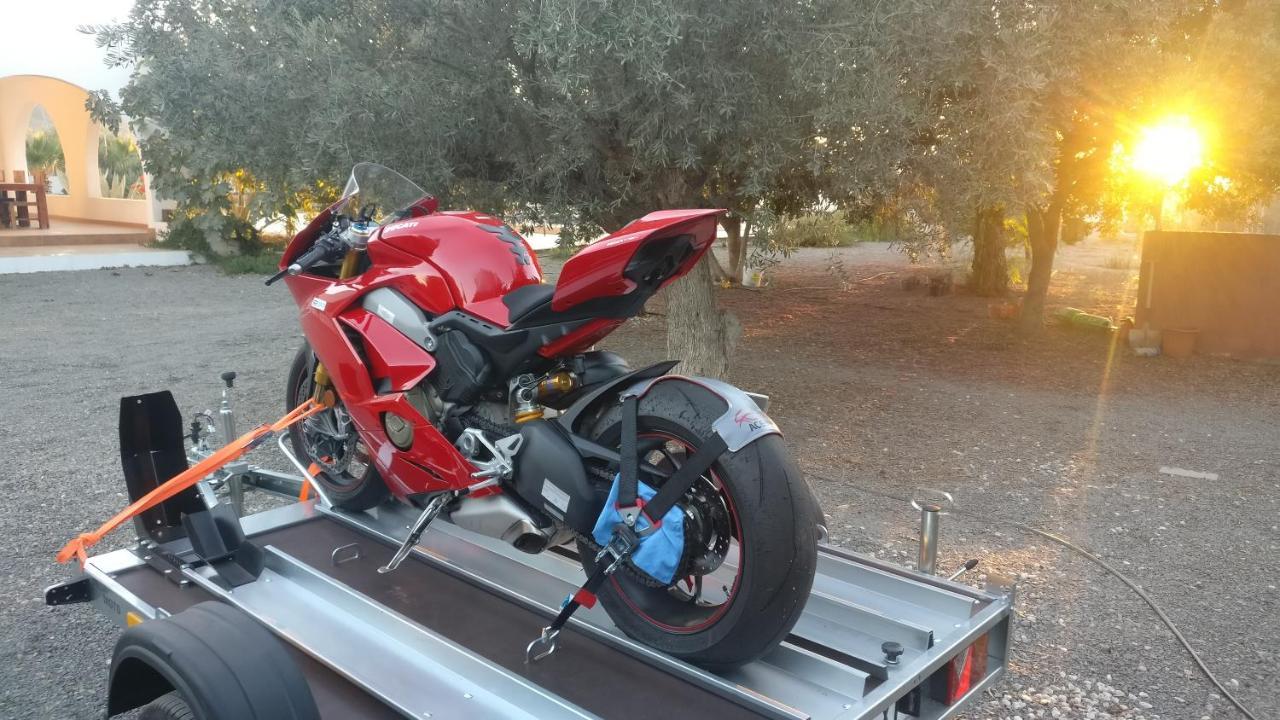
(659,554)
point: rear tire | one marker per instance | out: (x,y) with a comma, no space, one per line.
(347,490)
(775,522)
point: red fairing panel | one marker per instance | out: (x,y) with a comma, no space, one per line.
(329,306)
(596,271)
(582,339)
(391,355)
(482,258)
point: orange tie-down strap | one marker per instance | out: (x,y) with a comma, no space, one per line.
(78,548)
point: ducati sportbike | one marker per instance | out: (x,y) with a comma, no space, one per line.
(460,382)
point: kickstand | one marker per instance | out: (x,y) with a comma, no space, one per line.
(429,513)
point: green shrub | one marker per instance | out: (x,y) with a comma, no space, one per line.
(188,233)
(252,256)
(1119,261)
(822,230)
(263,263)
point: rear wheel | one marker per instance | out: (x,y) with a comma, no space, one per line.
(751,530)
(331,442)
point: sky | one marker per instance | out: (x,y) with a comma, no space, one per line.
(49,44)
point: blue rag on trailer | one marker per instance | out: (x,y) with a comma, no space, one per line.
(658,554)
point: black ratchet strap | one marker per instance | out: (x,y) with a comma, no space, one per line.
(676,485)
(683,478)
(629,460)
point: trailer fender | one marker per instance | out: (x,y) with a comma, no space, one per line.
(218,659)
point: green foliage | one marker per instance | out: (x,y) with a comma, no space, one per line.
(44,153)
(120,167)
(572,112)
(818,229)
(194,232)
(1119,261)
(265,263)
(251,255)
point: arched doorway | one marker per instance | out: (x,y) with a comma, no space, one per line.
(52,108)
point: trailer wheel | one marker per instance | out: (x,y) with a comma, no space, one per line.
(167,707)
(212,660)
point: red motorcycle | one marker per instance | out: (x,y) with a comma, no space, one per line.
(458,382)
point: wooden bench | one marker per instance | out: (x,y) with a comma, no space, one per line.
(18,207)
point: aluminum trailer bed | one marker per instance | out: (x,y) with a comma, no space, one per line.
(444,636)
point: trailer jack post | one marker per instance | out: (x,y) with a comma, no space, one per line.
(931,504)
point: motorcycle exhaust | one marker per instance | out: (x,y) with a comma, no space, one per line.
(498,516)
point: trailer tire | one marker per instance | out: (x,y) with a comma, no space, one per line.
(167,707)
(215,660)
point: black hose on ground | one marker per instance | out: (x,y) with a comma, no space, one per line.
(1097,560)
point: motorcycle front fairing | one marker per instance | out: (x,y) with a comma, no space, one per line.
(328,311)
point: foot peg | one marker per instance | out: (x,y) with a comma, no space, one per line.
(429,513)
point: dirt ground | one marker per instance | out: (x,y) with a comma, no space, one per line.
(879,390)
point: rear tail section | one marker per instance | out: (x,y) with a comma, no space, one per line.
(642,257)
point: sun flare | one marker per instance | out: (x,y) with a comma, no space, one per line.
(1169,150)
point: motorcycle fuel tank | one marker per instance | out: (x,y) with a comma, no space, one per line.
(480,256)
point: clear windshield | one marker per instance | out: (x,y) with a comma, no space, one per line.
(378,193)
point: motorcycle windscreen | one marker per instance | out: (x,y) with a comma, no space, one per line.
(648,253)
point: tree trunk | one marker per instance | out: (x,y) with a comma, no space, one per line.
(989,274)
(1043,225)
(737,246)
(718,273)
(699,334)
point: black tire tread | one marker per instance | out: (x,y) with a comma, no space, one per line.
(221,663)
(167,707)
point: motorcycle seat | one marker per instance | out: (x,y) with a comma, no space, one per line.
(525,299)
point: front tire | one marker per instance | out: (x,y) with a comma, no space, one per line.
(755,512)
(351,482)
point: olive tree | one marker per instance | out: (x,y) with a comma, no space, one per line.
(580,112)
(998,108)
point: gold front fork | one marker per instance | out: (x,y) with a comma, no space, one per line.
(323,394)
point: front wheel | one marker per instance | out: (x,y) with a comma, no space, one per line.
(751,533)
(330,442)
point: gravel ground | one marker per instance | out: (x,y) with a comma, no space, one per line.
(879,391)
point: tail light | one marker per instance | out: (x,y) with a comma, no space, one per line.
(966,670)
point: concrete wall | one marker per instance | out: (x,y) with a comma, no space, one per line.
(19,95)
(1226,285)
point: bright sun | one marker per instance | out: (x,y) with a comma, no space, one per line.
(1168,151)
